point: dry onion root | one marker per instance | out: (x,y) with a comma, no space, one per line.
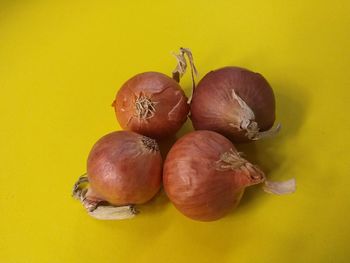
(235,102)
(100,209)
(124,169)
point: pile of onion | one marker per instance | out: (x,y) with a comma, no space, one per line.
(204,175)
(235,102)
(123,169)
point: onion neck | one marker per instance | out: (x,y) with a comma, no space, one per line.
(254,134)
(181,67)
(248,174)
(251,174)
(246,121)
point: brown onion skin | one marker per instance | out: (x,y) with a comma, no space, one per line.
(211,108)
(122,170)
(171,107)
(192,181)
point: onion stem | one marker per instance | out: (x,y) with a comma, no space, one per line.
(181,67)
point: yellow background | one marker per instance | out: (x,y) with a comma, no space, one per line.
(60,67)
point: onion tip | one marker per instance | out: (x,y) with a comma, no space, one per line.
(280,188)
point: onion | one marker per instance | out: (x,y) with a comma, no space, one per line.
(235,102)
(152,103)
(204,176)
(123,169)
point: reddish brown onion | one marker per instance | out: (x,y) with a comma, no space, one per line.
(204,176)
(123,168)
(235,102)
(151,104)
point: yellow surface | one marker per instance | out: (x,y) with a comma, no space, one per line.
(60,67)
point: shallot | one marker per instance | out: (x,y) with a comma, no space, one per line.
(123,169)
(235,102)
(152,103)
(205,176)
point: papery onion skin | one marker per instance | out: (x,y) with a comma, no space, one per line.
(124,168)
(151,104)
(199,183)
(212,106)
